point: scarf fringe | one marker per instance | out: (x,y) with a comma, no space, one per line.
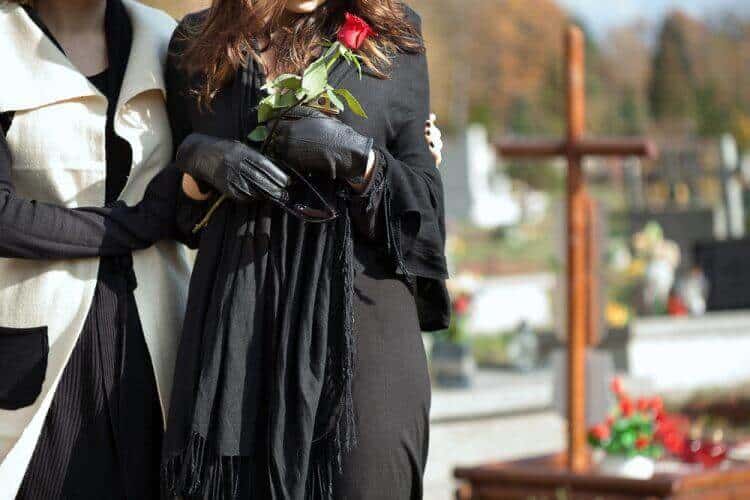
(199,471)
(327,455)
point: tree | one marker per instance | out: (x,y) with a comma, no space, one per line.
(672,91)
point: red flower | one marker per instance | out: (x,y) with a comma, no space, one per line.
(626,406)
(676,306)
(674,444)
(354,32)
(643,404)
(600,432)
(657,405)
(617,387)
(642,442)
(461,305)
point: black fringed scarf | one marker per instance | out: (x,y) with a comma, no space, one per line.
(262,403)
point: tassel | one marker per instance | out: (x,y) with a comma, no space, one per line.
(198,471)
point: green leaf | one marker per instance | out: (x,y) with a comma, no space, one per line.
(281,101)
(259,134)
(315,78)
(359,66)
(332,48)
(265,110)
(288,82)
(335,100)
(352,102)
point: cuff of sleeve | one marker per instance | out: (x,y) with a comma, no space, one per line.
(377,179)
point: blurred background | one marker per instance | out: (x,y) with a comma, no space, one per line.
(673,284)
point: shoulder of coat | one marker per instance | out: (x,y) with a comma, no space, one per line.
(412,16)
(161,24)
(185,30)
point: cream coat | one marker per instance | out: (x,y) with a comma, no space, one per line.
(57,139)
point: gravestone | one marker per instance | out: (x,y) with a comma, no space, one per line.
(726,265)
(634,193)
(475,191)
(501,303)
(674,182)
(600,371)
(691,353)
(733,209)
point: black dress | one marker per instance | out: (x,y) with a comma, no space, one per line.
(102,435)
(398,287)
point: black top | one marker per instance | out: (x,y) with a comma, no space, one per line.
(413,205)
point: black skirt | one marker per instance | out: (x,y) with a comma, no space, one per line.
(391,392)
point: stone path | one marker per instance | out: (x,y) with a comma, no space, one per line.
(475,441)
(503,415)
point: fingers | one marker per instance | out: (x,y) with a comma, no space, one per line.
(434,138)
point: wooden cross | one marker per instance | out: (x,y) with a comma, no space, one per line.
(581,257)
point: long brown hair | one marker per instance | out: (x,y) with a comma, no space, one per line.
(234,29)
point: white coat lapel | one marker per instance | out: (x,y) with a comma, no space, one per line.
(52,78)
(145,70)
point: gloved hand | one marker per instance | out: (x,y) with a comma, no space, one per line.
(312,142)
(234,169)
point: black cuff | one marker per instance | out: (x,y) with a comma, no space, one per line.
(376,182)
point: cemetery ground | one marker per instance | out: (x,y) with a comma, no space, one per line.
(507,415)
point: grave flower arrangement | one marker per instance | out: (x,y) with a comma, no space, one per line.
(638,428)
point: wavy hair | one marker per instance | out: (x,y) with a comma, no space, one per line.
(220,44)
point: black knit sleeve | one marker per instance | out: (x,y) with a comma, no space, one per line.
(413,204)
(35,230)
(413,198)
(180,102)
(366,208)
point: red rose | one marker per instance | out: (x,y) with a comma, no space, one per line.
(600,432)
(354,32)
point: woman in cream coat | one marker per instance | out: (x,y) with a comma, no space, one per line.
(87,344)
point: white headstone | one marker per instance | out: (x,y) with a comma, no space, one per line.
(732,188)
(474,190)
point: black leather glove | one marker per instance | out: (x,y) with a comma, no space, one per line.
(232,168)
(311,142)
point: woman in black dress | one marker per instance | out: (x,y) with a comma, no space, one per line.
(301,371)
